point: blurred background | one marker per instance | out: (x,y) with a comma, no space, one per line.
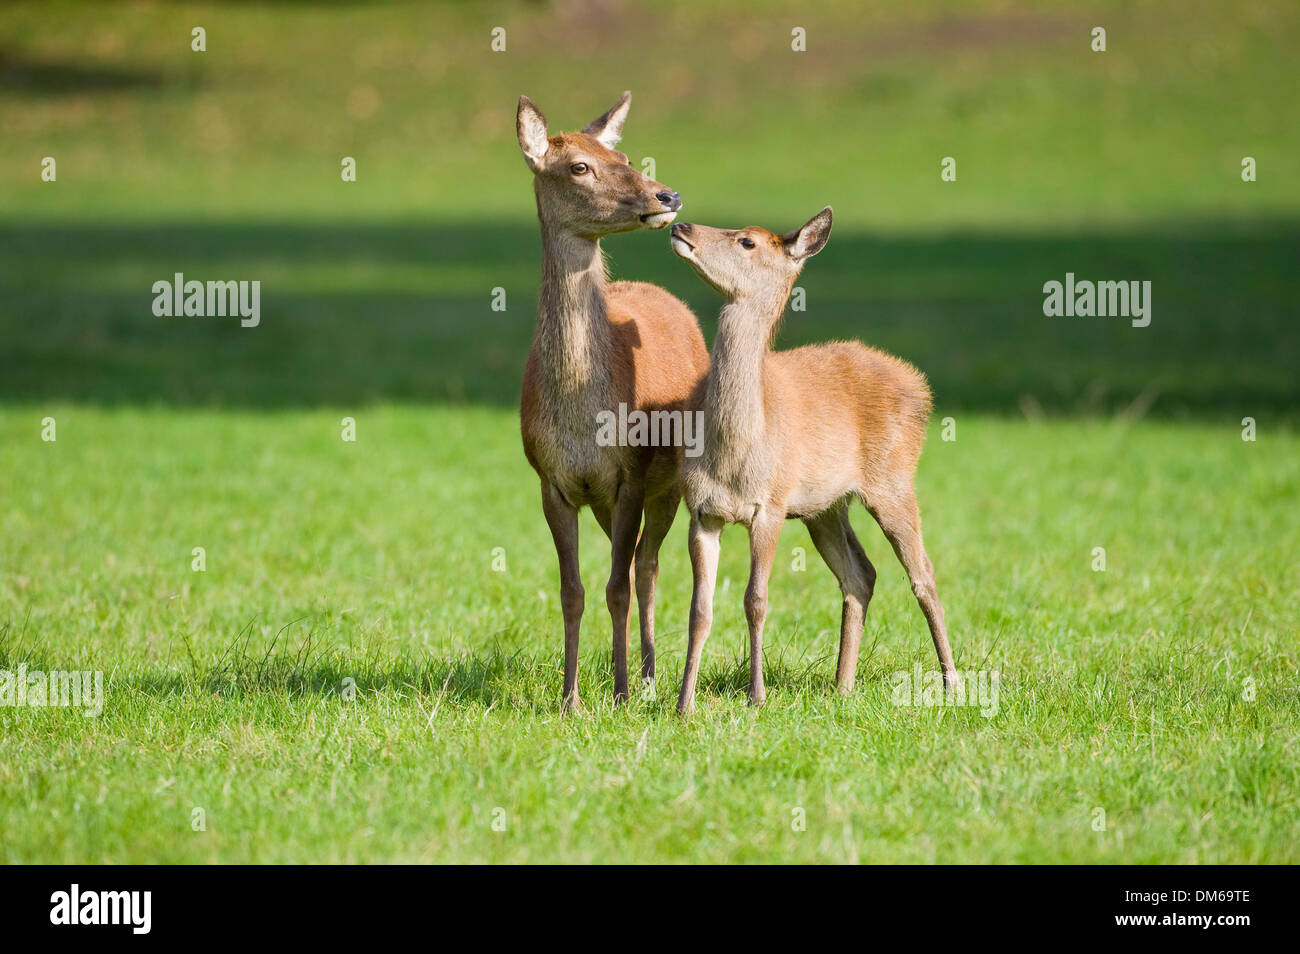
(225,164)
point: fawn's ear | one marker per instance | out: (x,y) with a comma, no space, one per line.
(530,125)
(811,238)
(609,128)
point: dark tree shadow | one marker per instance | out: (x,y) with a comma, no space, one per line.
(59,78)
(360,312)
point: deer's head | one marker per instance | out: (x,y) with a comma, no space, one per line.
(750,262)
(583,185)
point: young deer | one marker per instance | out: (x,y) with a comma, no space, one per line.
(798,434)
(597,346)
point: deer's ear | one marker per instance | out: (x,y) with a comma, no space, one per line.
(530,125)
(811,238)
(609,128)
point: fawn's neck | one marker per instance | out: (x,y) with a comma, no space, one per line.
(735,405)
(573,337)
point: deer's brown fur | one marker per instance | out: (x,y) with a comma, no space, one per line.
(598,345)
(798,433)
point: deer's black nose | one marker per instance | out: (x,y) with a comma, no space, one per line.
(671,200)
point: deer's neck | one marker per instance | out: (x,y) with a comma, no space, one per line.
(736,417)
(573,338)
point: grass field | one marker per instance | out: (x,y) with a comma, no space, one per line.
(368,667)
(1121,689)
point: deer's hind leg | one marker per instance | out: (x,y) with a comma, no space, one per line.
(660,512)
(622,523)
(833,536)
(900,519)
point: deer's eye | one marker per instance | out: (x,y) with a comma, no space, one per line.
(747,242)
(578,168)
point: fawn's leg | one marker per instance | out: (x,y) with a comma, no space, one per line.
(625,523)
(900,519)
(868,571)
(763,536)
(705,543)
(562,518)
(659,515)
(833,536)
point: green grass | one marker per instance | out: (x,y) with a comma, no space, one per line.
(1044,130)
(1122,689)
(1163,690)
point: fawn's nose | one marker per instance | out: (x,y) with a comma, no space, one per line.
(682,228)
(670,200)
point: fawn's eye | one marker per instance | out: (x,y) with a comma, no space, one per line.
(578,168)
(747,242)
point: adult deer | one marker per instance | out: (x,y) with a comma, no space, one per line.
(597,346)
(798,434)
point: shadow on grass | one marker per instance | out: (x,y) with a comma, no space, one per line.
(358,313)
(303,667)
(33,77)
(494,677)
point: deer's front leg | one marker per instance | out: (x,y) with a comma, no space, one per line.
(763,535)
(562,518)
(625,524)
(705,544)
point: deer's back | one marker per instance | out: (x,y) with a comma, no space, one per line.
(846,404)
(658,345)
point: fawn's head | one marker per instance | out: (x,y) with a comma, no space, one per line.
(583,185)
(750,262)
